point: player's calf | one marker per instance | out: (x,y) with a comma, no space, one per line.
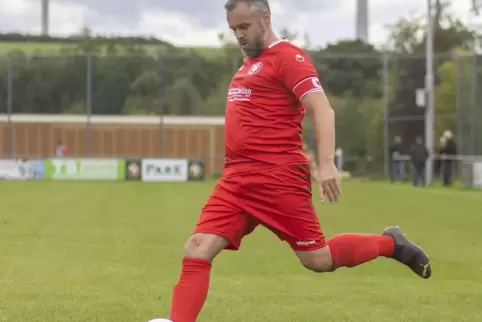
(350,250)
(346,250)
(191,290)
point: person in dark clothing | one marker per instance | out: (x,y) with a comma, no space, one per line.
(448,152)
(397,166)
(418,157)
(437,162)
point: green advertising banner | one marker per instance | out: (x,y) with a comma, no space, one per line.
(84,169)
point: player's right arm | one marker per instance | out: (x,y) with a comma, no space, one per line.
(300,76)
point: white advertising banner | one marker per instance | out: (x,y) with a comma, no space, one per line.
(18,169)
(477,174)
(165,170)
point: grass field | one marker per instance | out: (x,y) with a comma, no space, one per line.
(110,252)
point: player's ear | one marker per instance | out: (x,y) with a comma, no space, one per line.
(266,17)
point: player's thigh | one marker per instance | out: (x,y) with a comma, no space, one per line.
(222,216)
(282,201)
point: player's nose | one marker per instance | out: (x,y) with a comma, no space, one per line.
(239,36)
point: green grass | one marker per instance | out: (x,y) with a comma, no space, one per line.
(54,48)
(30,47)
(82,251)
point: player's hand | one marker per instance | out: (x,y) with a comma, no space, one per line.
(328,182)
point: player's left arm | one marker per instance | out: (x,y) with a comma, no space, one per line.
(301,77)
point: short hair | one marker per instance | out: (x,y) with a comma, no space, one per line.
(254,5)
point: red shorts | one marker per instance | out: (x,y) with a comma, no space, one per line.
(279,199)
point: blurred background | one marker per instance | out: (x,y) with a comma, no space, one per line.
(86,78)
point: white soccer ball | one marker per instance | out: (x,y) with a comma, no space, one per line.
(160,320)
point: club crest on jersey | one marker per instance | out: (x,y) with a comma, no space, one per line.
(316,82)
(300,58)
(255,68)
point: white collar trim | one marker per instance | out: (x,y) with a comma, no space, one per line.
(277,42)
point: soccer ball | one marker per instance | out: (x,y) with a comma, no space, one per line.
(160,320)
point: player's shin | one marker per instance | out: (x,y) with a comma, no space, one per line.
(349,250)
(191,291)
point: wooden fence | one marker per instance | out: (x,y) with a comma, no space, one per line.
(36,136)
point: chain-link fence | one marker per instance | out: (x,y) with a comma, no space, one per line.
(374,96)
(354,84)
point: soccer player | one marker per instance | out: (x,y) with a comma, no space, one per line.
(266,179)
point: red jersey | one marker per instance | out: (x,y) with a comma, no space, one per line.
(264,114)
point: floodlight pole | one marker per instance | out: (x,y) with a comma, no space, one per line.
(45,17)
(429,87)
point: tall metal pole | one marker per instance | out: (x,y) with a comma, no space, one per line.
(473,108)
(10,106)
(89,104)
(429,87)
(459,132)
(386,91)
(161,104)
(362,20)
(45,17)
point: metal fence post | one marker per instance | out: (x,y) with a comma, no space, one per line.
(10,107)
(161,104)
(429,87)
(474,104)
(458,112)
(386,102)
(474,117)
(89,104)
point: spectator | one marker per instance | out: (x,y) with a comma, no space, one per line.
(397,165)
(448,151)
(418,157)
(437,162)
(60,150)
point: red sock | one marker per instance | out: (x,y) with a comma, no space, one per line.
(354,249)
(191,290)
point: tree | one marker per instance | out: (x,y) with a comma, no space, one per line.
(125,78)
(350,71)
(232,58)
(475,6)
(289,35)
(407,66)
(350,67)
(458,95)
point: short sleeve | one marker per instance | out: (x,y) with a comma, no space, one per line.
(298,73)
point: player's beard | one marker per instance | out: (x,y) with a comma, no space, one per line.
(257,46)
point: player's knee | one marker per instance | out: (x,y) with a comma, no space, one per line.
(318,261)
(205,246)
